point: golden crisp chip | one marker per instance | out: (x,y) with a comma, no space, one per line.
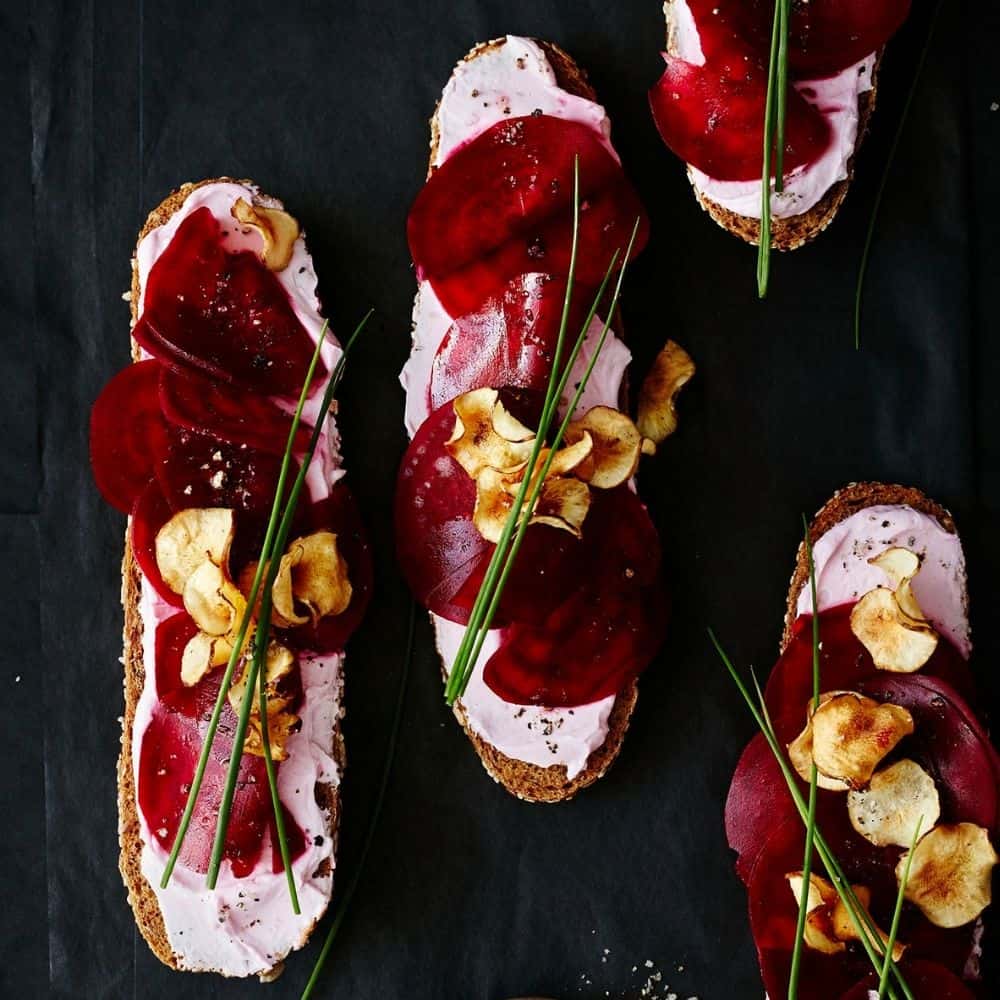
(951,874)
(190,538)
(202,654)
(279,662)
(319,575)
(213,600)
(486,436)
(281,724)
(896,799)
(278,229)
(847,737)
(617,445)
(671,371)
(896,641)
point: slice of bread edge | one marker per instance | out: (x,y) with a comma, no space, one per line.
(843,504)
(141,896)
(531,782)
(796,230)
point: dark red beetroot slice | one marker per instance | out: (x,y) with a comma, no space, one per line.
(501,206)
(959,759)
(773,909)
(223,314)
(172,635)
(150,513)
(609,627)
(171,746)
(844,662)
(128,434)
(825,36)
(234,415)
(927,980)
(442,555)
(713,116)
(510,340)
(339,513)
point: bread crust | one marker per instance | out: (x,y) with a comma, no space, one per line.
(531,782)
(851,499)
(141,895)
(796,230)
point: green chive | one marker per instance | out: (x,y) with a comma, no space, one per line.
(241,633)
(390,753)
(260,647)
(793,979)
(779,129)
(522,520)
(861,920)
(774,105)
(863,268)
(897,912)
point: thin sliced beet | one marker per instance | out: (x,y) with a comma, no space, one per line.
(501,206)
(223,314)
(150,513)
(927,980)
(441,553)
(844,662)
(340,514)
(824,36)
(172,635)
(712,116)
(128,434)
(230,414)
(610,624)
(509,340)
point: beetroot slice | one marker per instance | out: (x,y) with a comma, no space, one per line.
(844,662)
(510,340)
(150,513)
(441,553)
(169,754)
(340,514)
(610,624)
(222,314)
(824,37)
(712,116)
(927,980)
(199,404)
(128,434)
(501,206)
(172,635)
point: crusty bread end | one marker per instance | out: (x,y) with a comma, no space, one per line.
(844,503)
(529,781)
(141,896)
(796,230)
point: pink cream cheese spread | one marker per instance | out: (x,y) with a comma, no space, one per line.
(836,97)
(843,573)
(246,925)
(511,80)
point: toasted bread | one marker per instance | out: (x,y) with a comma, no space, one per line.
(141,896)
(844,503)
(530,781)
(796,230)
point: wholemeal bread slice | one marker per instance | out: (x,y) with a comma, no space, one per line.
(141,896)
(844,503)
(530,781)
(796,230)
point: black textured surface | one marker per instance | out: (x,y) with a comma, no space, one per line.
(468,893)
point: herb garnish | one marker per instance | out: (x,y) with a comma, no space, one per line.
(274,539)
(890,943)
(502,561)
(774,137)
(878,953)
(800,925)
(390,754)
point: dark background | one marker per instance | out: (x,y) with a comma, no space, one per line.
(468,893)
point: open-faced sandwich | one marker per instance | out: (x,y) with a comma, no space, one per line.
(907,781)
(545,689)
(191,442)
(709,105)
